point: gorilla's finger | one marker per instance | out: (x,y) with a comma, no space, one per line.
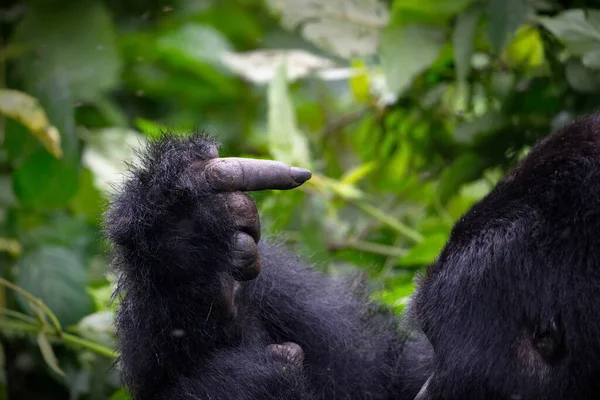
(245,261)
(248,174)
(243,208)
(289,353)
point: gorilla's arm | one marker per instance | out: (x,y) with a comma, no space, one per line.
(193,321)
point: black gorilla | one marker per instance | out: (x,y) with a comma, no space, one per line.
(510,310)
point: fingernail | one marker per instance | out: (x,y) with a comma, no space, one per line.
(300,175)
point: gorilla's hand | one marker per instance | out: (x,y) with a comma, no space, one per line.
(226,179)
(183,212)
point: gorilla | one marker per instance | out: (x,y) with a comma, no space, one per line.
(510,310)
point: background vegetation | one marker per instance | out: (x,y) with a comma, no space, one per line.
(408,112)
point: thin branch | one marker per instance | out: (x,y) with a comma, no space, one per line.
(343,121)
(35,301)
(67,338)
(369,247)
(388,220)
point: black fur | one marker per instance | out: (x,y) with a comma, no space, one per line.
(510,309)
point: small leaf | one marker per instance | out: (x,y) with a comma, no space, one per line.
(425,252)
(527,48)
(407,51)
(98,327)
(578,30)
(107,152)
(398,297)
(465,169)
(359,83)
(120,394)
(470,130)
(10,246)
(286,142)
(359,172)
(434,8)
(27,110)
(48,353)
(505,16)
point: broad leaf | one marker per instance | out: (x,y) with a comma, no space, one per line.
(505,16)
(260,66)
(463,170)
(107,152)
(27,110)
(578,30)
(43,182)
(58,277)
(581,78)
(434,8)
(408,50)
(347,28)
(197,42)
(425,252)
(77,38)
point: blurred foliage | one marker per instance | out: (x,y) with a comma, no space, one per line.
(408,112)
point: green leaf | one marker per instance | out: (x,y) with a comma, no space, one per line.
(51,87)
(397,297)
(58,277)
(61,231)
(505,16)
(527,48)
(465,169)
(120,394)
(425,252)
(359,83)
(48,353)
(347,28)
(27,110)
(88,201)
(286,141)
(45,183)
(10,246)
(442,8)
(197,42)
(77,38)
(463,39)
(407,51)
(591,59)
(106,153)
(98,327)
(578,30)
(581,78)
(470,130)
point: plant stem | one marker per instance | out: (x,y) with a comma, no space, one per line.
(67,338)
(35,301)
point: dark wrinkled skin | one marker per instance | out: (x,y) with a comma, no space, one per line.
(510,310)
